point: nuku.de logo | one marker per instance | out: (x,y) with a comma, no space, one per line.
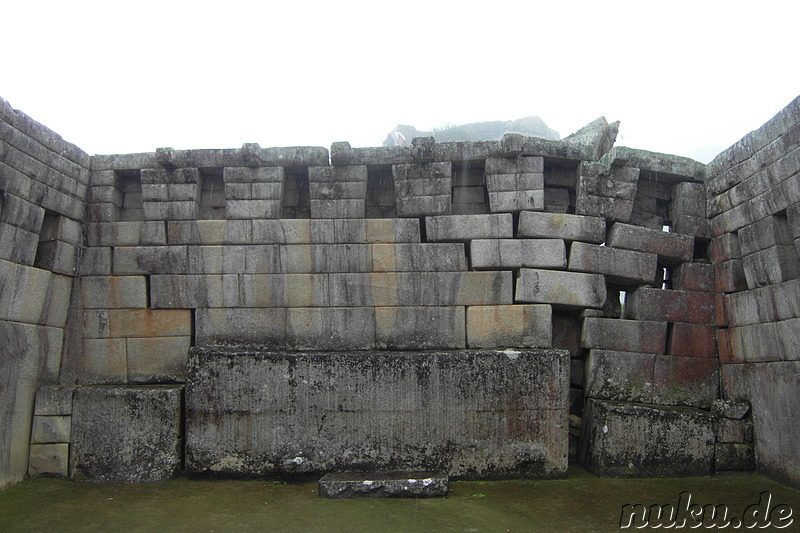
(691,515)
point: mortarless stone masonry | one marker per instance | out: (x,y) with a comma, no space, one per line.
(112,267)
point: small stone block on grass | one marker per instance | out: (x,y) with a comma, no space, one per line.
(414,484)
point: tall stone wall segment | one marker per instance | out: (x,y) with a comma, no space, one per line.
(639,264)
(754,210)
(44,184)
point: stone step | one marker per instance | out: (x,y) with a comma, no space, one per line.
(396,484)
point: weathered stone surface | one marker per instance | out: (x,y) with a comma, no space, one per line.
(732,409)
(647,303)
(324,258)
(622,267)
(773,391)
(770,266)
(241,326)
(560,226)
(54,400)
(569,289)
(733,456)
(466,288)
(209,232)
(692,340)
(381,289)
(411,484)
(671,248)
(496,414)
(516,253)
(330,328)
(193,291)
(423,257)
(157,359)
(461,228)
(106,292)
(604,191)
(49,460)
(150,260)
(422,189)
(515,326)
(124,435)
(637,440)
(48,429)
(693,277)
(624,335)
(419,328)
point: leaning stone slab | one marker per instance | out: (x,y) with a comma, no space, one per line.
(562,226)
(671,248)
(647,303)
(639,440)
(126,434)
(624,267)
(569,289)
(473,414)
(413,484)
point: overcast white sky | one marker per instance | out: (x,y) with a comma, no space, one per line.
(688,78)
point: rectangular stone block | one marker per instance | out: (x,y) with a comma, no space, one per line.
(786,298)
(424,257)
(472,414)
(293,231)
(770,266)
(622,267)
(253,209)
(95,262)
(516,253)
(58,257)
(102,361)
(419,328)
(126,435)
(631,440)
(729,276)
(17,245)
(150,260)
(561,226)
(330,328)
(692,340)
(624,335)
(421,206)
(326,258)
(174,210)
(157,359)
(108,292)
(621,376)
(242,326)
(232,259)
(376,230)
(689,381)
(194,290)
(514,165)
(671,248)
(693,277)
(466,288)
(50,429)
(567,289)
(380,289)
(725,247)
(462,228)
(509,326)
(515,201)
(525,182)
(136,323)
(647,303)
(252,175)
(49,460)
(284,290)
(21,213)
(54,400)
(210,232)
(765,233)
(151,233)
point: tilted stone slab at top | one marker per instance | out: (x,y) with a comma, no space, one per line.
(126,434)
(568,289)
(640,440)
(457,228)
(562,226)
(624,267)
(671,248)
(470,414)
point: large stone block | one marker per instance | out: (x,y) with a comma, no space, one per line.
(671,248)
(126,435)
(232,259)
(568,289)
(242,326)
(380,289)
(634,440)
(561,226)
(157,359)
(624,335)
(107,292)
(413,257)
(194,290)
(693,277)
(330,328)
(516,253)
(209,232)
(647,303)
(49,429)
(623,267)
(462,228)
(293,231)
(150,260)
(466,288)
(419,328)
(423,189)
(284,290)
(770,266)
(509,326)
(692,340)
(101,361)
(471,414)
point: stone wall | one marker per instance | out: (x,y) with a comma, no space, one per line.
(754,207)
(43,187)
(630,260)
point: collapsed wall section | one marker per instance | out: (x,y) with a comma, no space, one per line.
(44,183)
(754,208)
